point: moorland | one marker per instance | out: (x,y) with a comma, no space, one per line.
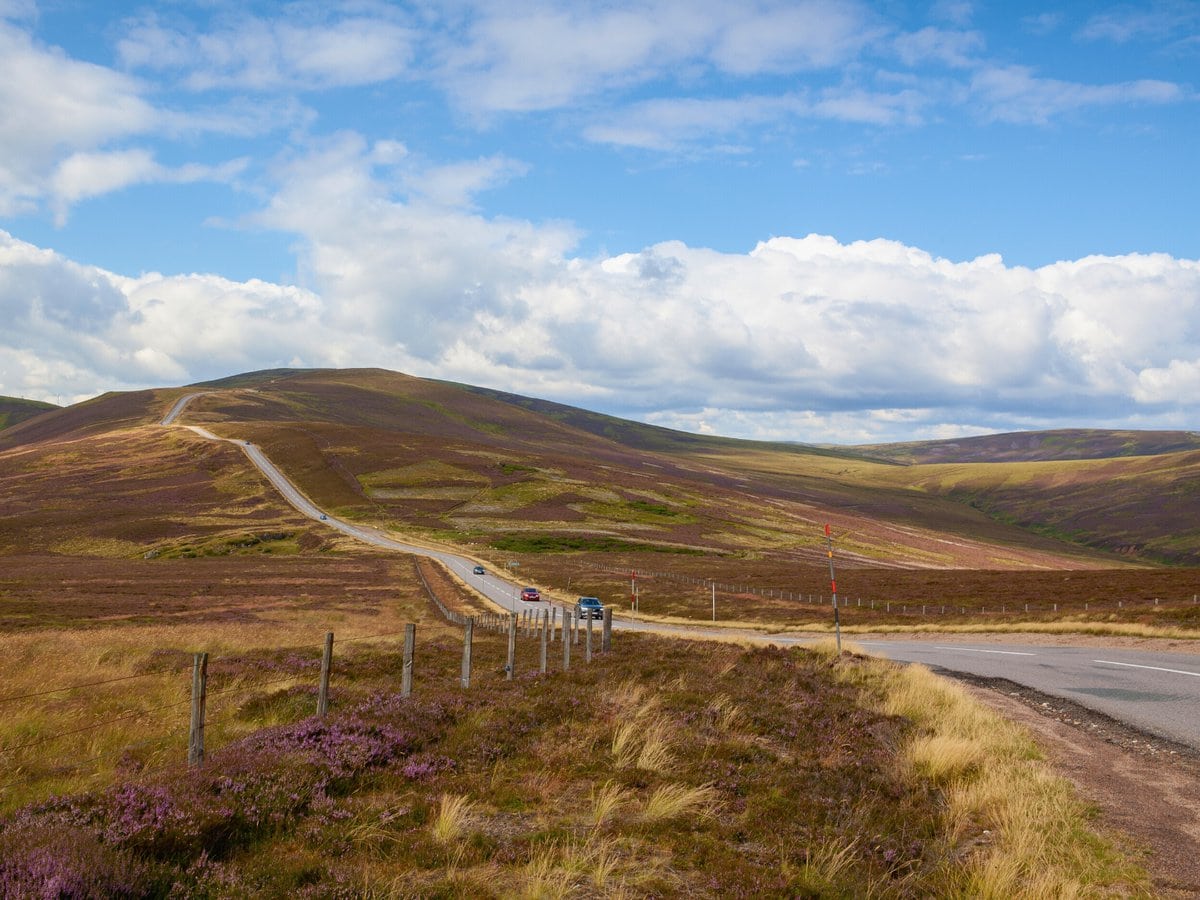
(661,768)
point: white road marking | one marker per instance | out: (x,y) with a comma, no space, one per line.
(977,650)
(1109,662)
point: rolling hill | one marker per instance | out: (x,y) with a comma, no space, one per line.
(469,465)
(14,410)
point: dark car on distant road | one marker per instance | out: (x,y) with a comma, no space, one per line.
(478,570)
(531,594)
(589,608)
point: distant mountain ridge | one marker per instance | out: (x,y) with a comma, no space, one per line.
(1036,446)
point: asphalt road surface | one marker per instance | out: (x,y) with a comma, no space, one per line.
(1158,693)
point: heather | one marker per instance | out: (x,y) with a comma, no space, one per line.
(663,768)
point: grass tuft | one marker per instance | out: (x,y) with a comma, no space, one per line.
(453,816)
(670,801)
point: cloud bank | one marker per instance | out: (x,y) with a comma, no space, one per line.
(801,338)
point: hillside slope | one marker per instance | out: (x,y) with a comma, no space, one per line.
(467,465)
(14,410)
(473,466)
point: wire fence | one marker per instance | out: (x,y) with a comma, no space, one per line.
(542,625)
(894,607)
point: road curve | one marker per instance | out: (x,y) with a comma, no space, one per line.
(1158,693)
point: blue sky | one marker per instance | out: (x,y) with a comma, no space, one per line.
(815,221)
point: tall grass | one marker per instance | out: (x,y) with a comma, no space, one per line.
(670,801)
(994,780)
(452,818)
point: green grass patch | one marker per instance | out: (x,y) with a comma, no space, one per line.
(561,543)
(271,542)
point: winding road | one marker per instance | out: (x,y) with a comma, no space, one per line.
(1155,692)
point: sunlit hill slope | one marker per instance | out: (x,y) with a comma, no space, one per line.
(469,465)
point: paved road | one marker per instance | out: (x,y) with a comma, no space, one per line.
(1156,692)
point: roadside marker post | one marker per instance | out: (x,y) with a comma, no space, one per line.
(837,625)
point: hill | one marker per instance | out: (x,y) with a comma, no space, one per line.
(1036,446)
(517,475)
(14,410)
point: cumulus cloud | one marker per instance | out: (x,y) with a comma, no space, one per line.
(801,338)
(796,326)
(49,101)
(74,331)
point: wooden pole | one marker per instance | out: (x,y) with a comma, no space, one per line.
(837,624)
(512,647)
(468,638)
(199,696)
(566,640)
(606,640)
(588,653)
(543,630)
(326,666)
(406,673)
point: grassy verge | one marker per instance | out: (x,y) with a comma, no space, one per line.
(1030,834)
(664,768)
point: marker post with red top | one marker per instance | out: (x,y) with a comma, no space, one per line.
(837,625)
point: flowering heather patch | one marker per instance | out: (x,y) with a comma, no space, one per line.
(782,780)
(123,841)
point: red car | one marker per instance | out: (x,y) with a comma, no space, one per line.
(531,594)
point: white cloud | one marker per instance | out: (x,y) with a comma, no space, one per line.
(791,37)
(801,339)
(518,57)
(1015,94)
(49,101)
(252,53)
(952,48)
(1162,20)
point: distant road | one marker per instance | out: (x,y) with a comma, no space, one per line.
(1155,692)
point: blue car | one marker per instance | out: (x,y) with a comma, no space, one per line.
(589,608)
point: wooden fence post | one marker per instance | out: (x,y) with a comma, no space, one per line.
(468,638)
(566,640)
(199,696)
(511,665)
(406,672)
(326,665)
(588,652)
(544,620)
(606,640)
(553,620)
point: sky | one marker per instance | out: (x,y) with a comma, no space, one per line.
(815,221)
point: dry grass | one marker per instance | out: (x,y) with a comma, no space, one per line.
(994,780)
(670,801)
(147,700)
(453,816)
(607,801)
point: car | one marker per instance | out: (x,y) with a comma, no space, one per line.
(532,594)
(589,608)
(479,570)
(324,518)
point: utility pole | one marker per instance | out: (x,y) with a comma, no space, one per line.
(837,625)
